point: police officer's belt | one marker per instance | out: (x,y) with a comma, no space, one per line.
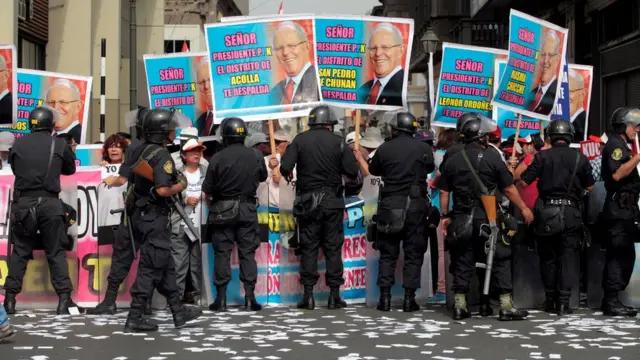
(243,198)
(560,202)
(35,193)
(625,199)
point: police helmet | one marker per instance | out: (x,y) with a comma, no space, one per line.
(233,129)
(42,118)
(158,124)
(561,129)
(623,117)
(321,115)
(142,112)
(404,122)
(473,126)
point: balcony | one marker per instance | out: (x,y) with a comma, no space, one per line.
(481,33)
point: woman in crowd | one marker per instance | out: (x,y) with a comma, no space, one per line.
(185,248)
(113,150)
(446,138)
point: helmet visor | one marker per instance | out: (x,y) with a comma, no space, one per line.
(178,121)
(487,125)
(56,113)
(131,117)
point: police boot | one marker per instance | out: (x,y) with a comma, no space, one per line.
(220,303)
(183,314)
(307,302)
(549,305)
(10,303)
(147,307)
(485,306)
(385,299)
(562,305)
(613,307)
(410,304)
(250,302)
(460,311)
(335,302)
(106,307)
(137,323)
(508,311)
(64,303)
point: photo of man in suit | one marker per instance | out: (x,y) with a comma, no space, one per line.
(385,52)
(577,94)
(6,100)
(291,46)
(549,60)
(204,123)
(64,96)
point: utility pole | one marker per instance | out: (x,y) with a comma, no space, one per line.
(133,62)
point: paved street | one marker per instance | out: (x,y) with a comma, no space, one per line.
(355,333)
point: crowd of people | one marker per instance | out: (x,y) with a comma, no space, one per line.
(419,171)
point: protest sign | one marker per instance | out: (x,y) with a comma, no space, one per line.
(580,86)
(532,78)
(561,109)
(507,120)
(466,82)
(70,95)
(181,80)
(8,85)
(363,62)
(263,68)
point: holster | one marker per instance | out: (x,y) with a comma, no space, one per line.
(306,205)
(392,214)
(372,232)
(224,212)
(549,219)
(460,230)
(24,222)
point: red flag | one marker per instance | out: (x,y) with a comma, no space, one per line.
(185,48)
(280,12)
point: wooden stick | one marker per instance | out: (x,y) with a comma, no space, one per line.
(272,139)
(358,119)
(542,129)
(515,140)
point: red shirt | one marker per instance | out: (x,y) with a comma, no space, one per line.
(529,194)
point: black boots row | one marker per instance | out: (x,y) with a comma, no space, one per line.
(181,315)
(508,311)
(64,303)
(220,303)
(409,304)
(308,302)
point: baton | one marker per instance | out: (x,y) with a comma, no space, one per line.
(9,232)
(127,221)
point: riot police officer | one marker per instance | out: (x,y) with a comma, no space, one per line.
(231,183)
(620,210)
(321,158)
(403,163)
(151,222)
(463,224)
(37,161)
(123,255)
(563,175)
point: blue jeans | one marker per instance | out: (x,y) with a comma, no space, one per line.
(4,319)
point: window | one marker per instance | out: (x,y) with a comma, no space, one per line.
(31,55)
(610,25)
(173,46)
(25,9)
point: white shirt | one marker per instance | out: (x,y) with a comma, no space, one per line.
(580,111)
(545,88)
(385,80)
(268,191)
(194,189)
(296,80)
(4,93)
(67,129)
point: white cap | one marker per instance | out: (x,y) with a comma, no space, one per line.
(351,137)
(6,140)
(193,144)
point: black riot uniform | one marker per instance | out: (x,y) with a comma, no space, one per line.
(321,158)
(563,175)
(231,183)
(403,163)
(620,211)
(37,161)
(151,222)
(463,224)
(122,256)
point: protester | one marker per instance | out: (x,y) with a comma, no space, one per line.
(113,150)
(6,330)
(185,248)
